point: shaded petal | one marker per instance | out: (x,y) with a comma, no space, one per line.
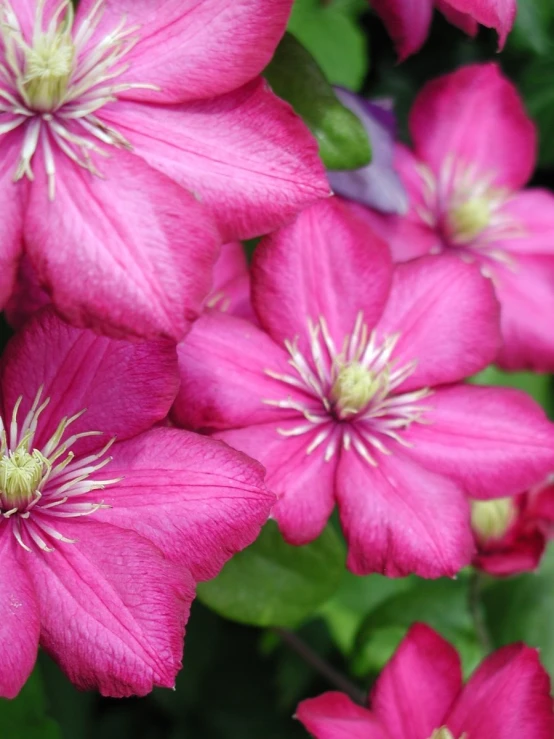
(494,442)
(476,116)
(520,555)
(28,295)
(532,212)
(327,263)
(447,316)
(507,697)
(526,294)
(303,482)
(19,616)
(418,686)
(13,196)
(113,610)
(497,14)
(125,387)
(130,254)
(195,48)
(407,21)
(247,155)
(399,518)
(231,286)
(224,384)
(195,498)
(460,19)
(336,716)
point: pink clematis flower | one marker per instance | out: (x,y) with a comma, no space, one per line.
(408,21)
(352,393)
(420,695)
(474,149)
(114,121)
(511,533)
(102,541)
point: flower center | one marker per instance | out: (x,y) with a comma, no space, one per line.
(491,519)
(469,219)
(20,475)
(354,387)
(444,733)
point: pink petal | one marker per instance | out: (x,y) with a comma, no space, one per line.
(113,610)
(523,555)
(526,294)
(336,716)
(196,499)
(462,20)
(327,263)
(400,518)
(26,11)
(507,697)
(476,116)
(448,319)
(28,295)
(231,286)
(418,685)
(19,616)
(303,482)
(532,213)
(130,254)
(498,14)
(195,48)
(493,441)
(224,384)
(125,387)
(12,199)
(246,154)
(407,21)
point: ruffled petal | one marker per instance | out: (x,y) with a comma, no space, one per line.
(128,255)
(494,442)
(497,14)
(195,498)
(401,519)
(336,716)
(407,21)
(113,610)
(193,49)
(475,116)
(246,154)
(328,263)
(418,686)
(447,318)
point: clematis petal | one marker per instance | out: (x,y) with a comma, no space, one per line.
(447,318)
(498,14)
(13,197)
(231,287)
(113,610)
(195,498)
(125,387)
(246,154)
(407,21)
(494,441)
(191,49)
(400,518)
(458,18)
(336,716)
(476,117)
(418,686)
(27,297)
(508,696)
(141,246)
(303,481)
(532,213)
(19,616)
(224,364)
(326,263)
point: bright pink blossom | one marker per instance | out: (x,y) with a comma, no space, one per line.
(101,542)
(114,124)
(408,21)
(511,533)
(420,695)
(474,148)
(352,393)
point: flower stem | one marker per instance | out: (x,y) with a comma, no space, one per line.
(476,610)
(313,659)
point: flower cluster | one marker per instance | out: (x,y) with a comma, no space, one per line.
(162,398)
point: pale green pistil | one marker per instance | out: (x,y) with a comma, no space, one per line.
(20,475)
(470,219)
(444,733)
(491,519)
(354,387)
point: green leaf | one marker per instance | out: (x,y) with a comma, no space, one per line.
(538,92)
(25,717)
(295,76)
(334,39)
(274,584)
(533,28)
(537,386)
(442,604)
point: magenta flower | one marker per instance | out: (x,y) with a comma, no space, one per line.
(408,21)
(352,393)
(114,123)
(474,149)
(420,695)
(102,541)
